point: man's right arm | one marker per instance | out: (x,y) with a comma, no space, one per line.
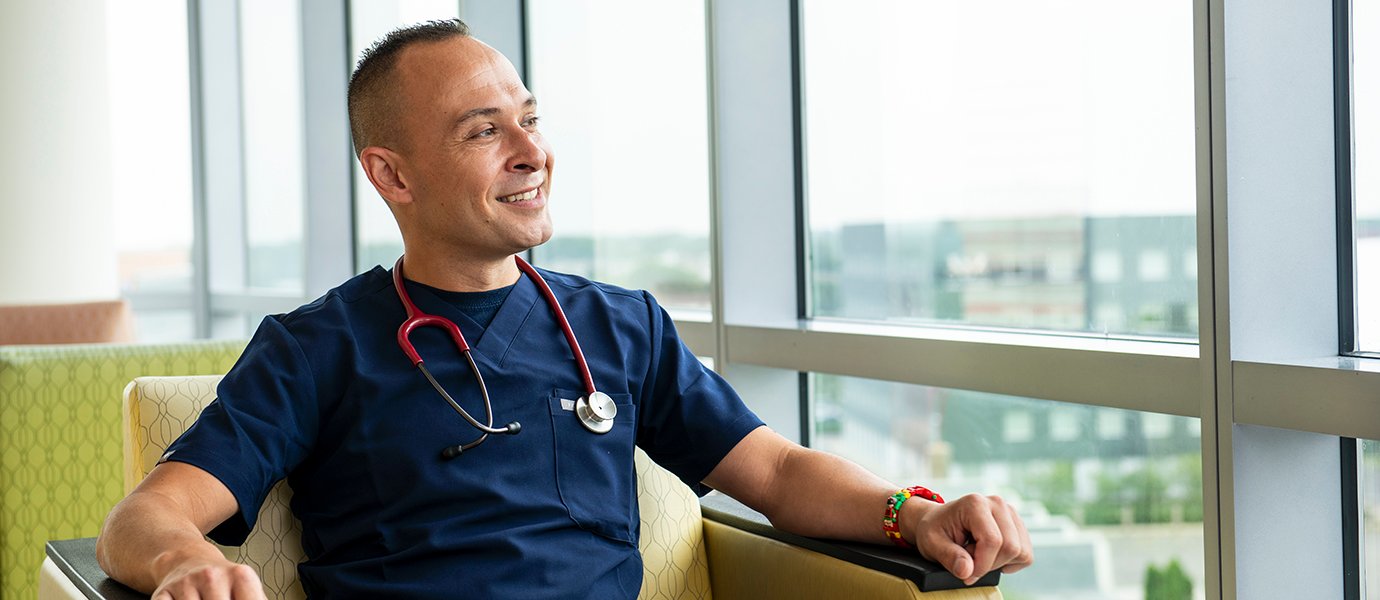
(154,539)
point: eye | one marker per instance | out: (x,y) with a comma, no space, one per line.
(489,132)
(531,121)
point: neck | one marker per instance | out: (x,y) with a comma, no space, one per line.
(459,273)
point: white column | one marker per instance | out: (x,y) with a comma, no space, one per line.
(56,238)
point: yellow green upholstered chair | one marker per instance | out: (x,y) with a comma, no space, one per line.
(685,556)
(60,439)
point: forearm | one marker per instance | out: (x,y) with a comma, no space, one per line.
(146,537)
(821,495)
(818,494)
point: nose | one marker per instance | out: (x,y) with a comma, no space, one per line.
(527,154)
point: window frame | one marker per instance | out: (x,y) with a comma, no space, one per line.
(1260,349)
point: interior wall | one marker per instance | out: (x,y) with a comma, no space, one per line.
(56,241)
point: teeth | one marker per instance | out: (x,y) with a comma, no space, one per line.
(520,197)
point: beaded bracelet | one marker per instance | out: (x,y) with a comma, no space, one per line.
(891,518)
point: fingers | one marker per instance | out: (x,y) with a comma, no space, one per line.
(950,555)
(219,582)
(975,535)
(1026,556)
(984,526)
(245,584)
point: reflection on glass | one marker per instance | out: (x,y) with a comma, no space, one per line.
(149,108)
(622,86)
(1113,498)
(1009,163)
(1365,123)
(377,239)
(271,76)
(1370,515)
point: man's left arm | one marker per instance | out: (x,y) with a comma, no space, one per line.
(817,494)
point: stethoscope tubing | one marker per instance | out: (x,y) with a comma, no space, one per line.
(598,421)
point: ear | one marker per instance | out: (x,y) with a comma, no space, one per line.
(383,166)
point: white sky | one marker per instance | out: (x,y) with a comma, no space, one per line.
(923,110)
(1004,108)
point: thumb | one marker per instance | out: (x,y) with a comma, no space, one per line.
(954,558)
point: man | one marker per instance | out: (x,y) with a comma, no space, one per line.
(448,135)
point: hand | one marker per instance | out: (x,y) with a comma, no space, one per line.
(971,536)
(210,580)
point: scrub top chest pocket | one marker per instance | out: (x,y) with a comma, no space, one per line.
(595,476)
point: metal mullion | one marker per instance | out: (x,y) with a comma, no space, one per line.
(1127,380)
(1352,535)
(1346,208)
(1219,554)
(716,240)
(802,225)
(201,294)
(1344,398)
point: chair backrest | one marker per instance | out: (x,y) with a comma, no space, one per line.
(158,409)
(83,323)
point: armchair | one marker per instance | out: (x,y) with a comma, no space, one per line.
(689,550)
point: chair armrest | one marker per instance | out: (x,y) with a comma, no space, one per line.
(903,563)
(77,560)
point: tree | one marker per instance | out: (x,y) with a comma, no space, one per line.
(1171,583)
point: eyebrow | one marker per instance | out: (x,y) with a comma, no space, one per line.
(490,111)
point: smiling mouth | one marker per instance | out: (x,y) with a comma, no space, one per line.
(528,195)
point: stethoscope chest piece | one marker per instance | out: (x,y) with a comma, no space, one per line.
(596,412)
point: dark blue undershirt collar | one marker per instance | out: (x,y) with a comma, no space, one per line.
(479,306)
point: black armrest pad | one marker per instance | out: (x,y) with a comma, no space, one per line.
(77,559)
(901,562)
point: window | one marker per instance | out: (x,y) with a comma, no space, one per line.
(271,92)
(377,241)
(1018,160)
(1103,507)
(149,118)
(624,103)
(1370,515)
(1365,123)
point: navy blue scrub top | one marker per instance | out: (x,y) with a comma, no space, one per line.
(324,396)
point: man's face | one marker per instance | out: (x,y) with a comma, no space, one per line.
(479,171)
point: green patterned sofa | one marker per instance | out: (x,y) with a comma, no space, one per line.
(60,439)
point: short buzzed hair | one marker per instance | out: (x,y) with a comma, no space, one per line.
(373,97)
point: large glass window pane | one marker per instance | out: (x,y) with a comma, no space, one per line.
(1365,122)
(622,87)
(1008,163)
(377,241)
(150,122)
(1110,496)
(1370,515)
(274,181)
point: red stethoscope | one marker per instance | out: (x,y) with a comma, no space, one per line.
(595,409)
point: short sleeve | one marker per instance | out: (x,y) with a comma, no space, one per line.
(692,418)
(261,425)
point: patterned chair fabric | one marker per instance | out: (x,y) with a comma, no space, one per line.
(60,439)
(84,323)
(158,409)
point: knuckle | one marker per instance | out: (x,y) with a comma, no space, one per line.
(207,576)
(1011,548)
(976,500)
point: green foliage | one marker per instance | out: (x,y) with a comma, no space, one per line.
(1054,488)
(1150,494)
(1169,583)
